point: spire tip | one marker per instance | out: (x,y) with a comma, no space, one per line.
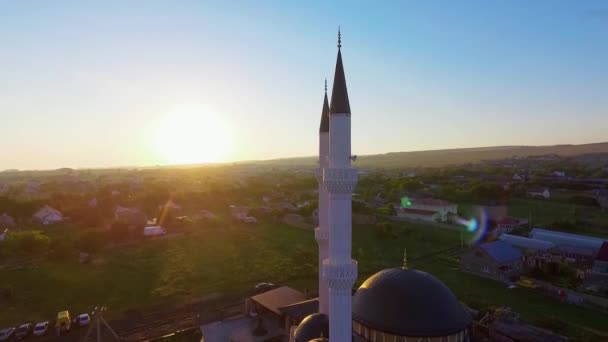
(339,38)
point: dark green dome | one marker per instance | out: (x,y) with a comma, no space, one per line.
(408,302)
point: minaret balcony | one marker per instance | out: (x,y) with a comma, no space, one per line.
(340,277)
(340,180)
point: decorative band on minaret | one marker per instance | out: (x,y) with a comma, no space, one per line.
(340,179)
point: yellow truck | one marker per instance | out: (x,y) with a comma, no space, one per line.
(64,321)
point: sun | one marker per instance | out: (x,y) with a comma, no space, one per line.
(189,134)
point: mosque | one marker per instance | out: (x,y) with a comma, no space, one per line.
(393,305)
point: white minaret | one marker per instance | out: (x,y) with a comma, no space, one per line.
(340,179)
(322,232)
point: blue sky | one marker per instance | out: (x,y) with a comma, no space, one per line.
(83,84)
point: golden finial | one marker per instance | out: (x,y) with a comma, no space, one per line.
(339,38)
(404,259)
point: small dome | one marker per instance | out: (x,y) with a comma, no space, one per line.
(312,327)
(408,302)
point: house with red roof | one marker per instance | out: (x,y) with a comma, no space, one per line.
(600,264)
(428,209)
(506,225)
(598,281)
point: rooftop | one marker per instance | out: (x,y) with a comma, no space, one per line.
(527,243)
(431,201)
(501,251)
(602,255)
(417,211)
(275,299)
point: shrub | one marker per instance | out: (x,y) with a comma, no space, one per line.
(26,242)
(583,200)
(61,249)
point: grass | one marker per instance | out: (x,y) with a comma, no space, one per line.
(230,260)
(546,212)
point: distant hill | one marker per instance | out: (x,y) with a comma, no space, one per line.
(438,158)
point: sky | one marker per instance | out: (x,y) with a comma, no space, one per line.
(124,83)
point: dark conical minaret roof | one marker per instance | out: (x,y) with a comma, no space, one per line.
(324,128)
(339,94)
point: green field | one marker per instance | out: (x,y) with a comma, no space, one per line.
(231,260)
(546,212)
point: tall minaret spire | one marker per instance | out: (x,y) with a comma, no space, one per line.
(324,127)
(322,232)
(340,179)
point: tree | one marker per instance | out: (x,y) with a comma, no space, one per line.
(490,194)
(119,231)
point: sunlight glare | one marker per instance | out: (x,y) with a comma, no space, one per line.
(190,134)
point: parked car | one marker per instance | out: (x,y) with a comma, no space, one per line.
(6,333)
(41,328)
(154,231)
(23,331)
(64,322)
(263,287)
(527,283)
(83,320)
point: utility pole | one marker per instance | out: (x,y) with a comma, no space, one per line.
(96,324)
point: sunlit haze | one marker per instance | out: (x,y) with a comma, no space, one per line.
(120,83)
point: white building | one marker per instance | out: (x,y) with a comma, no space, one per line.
(428,209)
(573,246)
(539,192)
(47,215)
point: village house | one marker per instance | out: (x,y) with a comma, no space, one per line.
(539,192)
(238,212)
(505,225)
(47,215)
(3,233)
(427,209)
(6,221)
(598,280)
(241,213)
(280,307)
(600,264)
(570,246)
(206,214)
(536,252)
(497,260)
(4,187)
(132,217)
(601,196)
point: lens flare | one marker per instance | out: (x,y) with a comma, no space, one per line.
(475,227)
(405,202)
